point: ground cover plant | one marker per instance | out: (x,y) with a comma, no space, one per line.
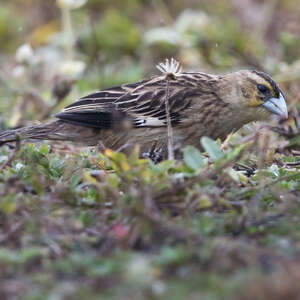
(81,223)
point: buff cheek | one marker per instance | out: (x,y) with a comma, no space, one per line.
(255,100)
(251,96)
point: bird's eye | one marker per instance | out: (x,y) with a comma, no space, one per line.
(263,89)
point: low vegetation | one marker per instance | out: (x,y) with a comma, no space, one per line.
(78,223)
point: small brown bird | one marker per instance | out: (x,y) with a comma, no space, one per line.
(200,104)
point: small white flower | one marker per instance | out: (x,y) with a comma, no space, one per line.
(72,68)
(71,4)
(24,54)
(19,166)
(169,66)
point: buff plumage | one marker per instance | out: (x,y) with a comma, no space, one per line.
(200,104)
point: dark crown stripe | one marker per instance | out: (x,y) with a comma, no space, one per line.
(268,78)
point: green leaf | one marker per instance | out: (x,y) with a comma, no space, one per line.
(44,149)
(173,255)
(76,178)
(193,158)
(295,141)
(212,148)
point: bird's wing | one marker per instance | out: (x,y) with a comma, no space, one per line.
(143,103)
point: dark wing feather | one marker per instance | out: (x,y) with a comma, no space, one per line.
(89,119)
(143,103)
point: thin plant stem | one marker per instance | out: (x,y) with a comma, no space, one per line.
(68,31)
(169,125)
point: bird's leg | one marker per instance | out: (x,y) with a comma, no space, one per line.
(178,152)
(153,147)
(101,147)
(155,154)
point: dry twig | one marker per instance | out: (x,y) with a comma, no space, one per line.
(170,69)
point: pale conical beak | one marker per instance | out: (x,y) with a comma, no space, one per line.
(277,106)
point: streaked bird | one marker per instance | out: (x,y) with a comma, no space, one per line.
(200,104)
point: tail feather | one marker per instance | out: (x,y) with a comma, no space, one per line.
(56,130)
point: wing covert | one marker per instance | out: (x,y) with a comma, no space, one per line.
(143,103)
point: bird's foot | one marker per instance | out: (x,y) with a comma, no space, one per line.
(155,154)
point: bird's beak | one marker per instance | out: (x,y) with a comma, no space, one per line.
(277,106)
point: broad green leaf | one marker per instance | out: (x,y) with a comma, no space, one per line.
(76,178)
(193,158)
(212,148)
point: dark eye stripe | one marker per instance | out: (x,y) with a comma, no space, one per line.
(263,89)
(268,78)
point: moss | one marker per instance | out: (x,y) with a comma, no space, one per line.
(11,27)
(114,35)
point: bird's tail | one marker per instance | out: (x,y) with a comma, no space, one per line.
(42,131)
(56,130)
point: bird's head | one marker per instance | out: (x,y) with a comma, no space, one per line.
(258,93)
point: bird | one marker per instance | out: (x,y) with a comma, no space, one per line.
(199,104)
